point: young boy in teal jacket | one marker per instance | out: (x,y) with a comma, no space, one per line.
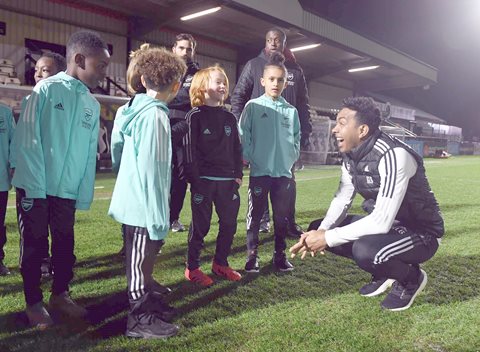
(47,65)
(7,125)
(140,199)
(56,146)
(270,134)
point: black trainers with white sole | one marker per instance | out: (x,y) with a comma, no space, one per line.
(149,326)
(252,266)
(401,296)
(281,263)
(376,287)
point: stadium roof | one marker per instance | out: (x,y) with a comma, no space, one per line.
(241,25)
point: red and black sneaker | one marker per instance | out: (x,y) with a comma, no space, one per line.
(198,277)
(225,272)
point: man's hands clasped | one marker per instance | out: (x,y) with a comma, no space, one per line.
(310,242)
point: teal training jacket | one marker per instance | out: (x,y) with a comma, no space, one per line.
(7,127)
(142,190)
(117,139)
(270,134)
(56,141)
(13,154)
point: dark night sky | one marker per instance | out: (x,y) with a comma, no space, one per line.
(442,33)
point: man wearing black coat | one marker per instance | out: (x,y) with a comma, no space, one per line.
(296,93)
(184,47)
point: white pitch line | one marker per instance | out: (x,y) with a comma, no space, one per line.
(244,184)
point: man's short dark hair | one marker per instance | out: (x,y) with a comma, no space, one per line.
(279,31)
(58,59)
(186,36)
(367,112)
(85,42)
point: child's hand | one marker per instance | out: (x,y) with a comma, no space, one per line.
(239,181)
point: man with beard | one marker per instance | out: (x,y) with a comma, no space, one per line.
(183,47)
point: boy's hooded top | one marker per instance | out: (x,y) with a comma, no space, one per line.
(56,140)
(270,133)
(141,194)
(7,125)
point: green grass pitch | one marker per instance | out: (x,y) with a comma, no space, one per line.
(314,308)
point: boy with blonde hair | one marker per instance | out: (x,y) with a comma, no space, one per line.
(214,170)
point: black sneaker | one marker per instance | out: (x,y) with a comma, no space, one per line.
(251,266)
(159,288)
(401,296)
(64,304)
(264,227)
(280,262)
(162,309)
(294,231)
(38,316)
(149,326)
(177,226)
(46,269)
(376,287)
(3,269)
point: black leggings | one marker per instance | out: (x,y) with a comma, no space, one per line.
(3,229)
(392,255)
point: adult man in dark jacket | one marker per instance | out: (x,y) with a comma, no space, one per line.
(249,87)
(404,224)
(184,47)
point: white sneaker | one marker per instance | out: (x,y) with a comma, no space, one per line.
(177,226)
(265,227)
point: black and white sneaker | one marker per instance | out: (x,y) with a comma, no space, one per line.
(251,266)
(160,289)
(264,227)
(294,231)
(376,287)
(3,269)
(46,268)
(161,308)
(149,326)
(401,297)
(281,263)
(177,226)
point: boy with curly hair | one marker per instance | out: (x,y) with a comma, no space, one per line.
(140,199)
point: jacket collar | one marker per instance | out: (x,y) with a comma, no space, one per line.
(263,55)
(363,149)
(79,85)
(279,101)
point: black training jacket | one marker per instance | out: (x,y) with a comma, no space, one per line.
(212,144)
(180,105)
